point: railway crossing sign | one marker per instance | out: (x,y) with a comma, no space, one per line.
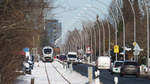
(136,49)
(134,43)
(116,49)
(88,50)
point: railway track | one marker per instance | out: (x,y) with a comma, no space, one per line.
(48,77)
(47,74)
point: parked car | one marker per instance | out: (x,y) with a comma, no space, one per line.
(103,62)
(31,63)
(80,60)
(130,68)
(116,67)
(62,58)
(27,68)
(28,64)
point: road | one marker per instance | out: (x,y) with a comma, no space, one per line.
(107,78)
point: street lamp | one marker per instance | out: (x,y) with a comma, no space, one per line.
(135,57)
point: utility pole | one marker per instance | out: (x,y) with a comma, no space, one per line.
(148,54)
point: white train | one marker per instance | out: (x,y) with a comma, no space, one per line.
(47,54)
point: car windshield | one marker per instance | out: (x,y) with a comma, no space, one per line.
(62,56)
(130,63)
(72,56)
(47,51)
(117,64)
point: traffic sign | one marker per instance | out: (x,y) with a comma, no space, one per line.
(26,49)
(116,49)
(137,49)
(88,50)
(134,43)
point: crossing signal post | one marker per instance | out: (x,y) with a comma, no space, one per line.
(137,50)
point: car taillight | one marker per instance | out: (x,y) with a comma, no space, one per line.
(123,72)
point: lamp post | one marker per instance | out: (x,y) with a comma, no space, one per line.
(135,56)
(148,45)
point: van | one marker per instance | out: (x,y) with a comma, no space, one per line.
(72,57)
(103,62)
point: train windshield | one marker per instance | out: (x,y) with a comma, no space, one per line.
(47,51)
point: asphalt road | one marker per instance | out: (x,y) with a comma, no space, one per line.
(107,78)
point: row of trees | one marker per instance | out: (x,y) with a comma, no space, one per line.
(93,33)
(21,24)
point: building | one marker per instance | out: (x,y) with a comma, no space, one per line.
(54,30)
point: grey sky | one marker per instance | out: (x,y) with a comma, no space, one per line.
(72,12)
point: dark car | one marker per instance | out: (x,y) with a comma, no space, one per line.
(129,68)
(63,58)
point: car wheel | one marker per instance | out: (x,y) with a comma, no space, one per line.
(29,72)
(137,75)
(121,75)
(112,73)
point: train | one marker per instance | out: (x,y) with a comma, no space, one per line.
(47,54)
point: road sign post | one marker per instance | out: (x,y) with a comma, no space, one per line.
(90,74)
(32,80)
(116,80)
(89,53)
(71,67)
(116,50)
(97,79)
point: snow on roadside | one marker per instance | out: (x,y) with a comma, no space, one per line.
(39,74)
(23,79)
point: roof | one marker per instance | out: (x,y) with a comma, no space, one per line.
(75,53)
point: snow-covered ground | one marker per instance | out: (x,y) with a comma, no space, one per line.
(72,76)
(39,74)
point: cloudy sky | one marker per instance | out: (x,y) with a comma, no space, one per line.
(72,12)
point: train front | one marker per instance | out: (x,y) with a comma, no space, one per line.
(47,54)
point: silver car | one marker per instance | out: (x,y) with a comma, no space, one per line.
(129,68)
